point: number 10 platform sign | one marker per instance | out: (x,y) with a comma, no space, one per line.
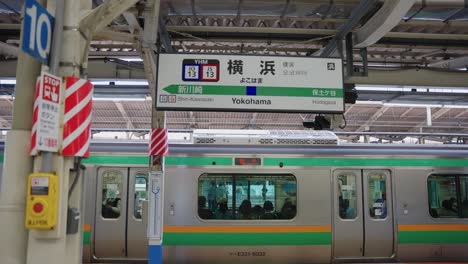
(198,82)
(37,31)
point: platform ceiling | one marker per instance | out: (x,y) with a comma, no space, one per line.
(430,33)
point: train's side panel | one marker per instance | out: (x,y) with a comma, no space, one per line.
(306,238)
(420,236)
(189,239)
(89,212)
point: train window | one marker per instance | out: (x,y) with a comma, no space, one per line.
(111,194)
(140,194)
(377,195)
(246,197)
(464,195)
(444,196)
(347,201)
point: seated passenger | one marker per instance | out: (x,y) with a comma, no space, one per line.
(447,209)
(222,212)
(257,211)
(111,208)
(245,210)
(269,213)
(454,204)
(465,208)
(289,210)
(203,212)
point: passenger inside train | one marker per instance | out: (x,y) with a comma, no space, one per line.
(261,195)
(110,205)
(204,212)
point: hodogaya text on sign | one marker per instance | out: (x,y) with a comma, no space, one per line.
(249,83)
(47,134)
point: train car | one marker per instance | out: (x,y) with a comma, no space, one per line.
(282,198)
(295,200)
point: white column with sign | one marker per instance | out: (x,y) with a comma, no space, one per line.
(49,113)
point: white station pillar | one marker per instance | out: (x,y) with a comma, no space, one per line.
(52,246)
(17,163)
(158,146)
(56,246)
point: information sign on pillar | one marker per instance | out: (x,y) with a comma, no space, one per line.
(158,147)
(77,119)
(49,99)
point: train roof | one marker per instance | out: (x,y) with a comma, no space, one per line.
(308,142)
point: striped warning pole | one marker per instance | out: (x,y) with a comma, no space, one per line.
(77,119)
(33,146)
(158,143)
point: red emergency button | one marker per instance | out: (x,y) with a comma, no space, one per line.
(38,207)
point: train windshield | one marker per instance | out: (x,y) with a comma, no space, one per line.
(247,196)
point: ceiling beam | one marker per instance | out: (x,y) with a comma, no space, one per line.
(404,114)
(306,33)
(104,14)
(164,37)
(132,22)
(349,108)
(125,116)
(383,21)
(363,8)
(440,113)
(99,69)
(8,50)
(462,113)
(373,118)
(451,64)
(433,116)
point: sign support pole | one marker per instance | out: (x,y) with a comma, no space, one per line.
(54,65)
(156,166)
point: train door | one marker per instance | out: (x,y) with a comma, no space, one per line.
(363,217)
(119,232)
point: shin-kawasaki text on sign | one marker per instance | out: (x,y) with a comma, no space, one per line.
(77,119)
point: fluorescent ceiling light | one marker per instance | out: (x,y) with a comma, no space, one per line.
(121,99)
(8,81)
(411,88)
(130,59)
(121,82)
(411,105)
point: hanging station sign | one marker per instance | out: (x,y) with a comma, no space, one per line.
(198,82)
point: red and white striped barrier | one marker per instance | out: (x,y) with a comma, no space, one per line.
(77,119)
(158,142)
(33,146)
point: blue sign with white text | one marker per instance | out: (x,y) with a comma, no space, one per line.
(37,31)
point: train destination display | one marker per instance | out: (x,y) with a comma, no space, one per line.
(199,82)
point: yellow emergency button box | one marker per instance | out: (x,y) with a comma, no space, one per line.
(42,201)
